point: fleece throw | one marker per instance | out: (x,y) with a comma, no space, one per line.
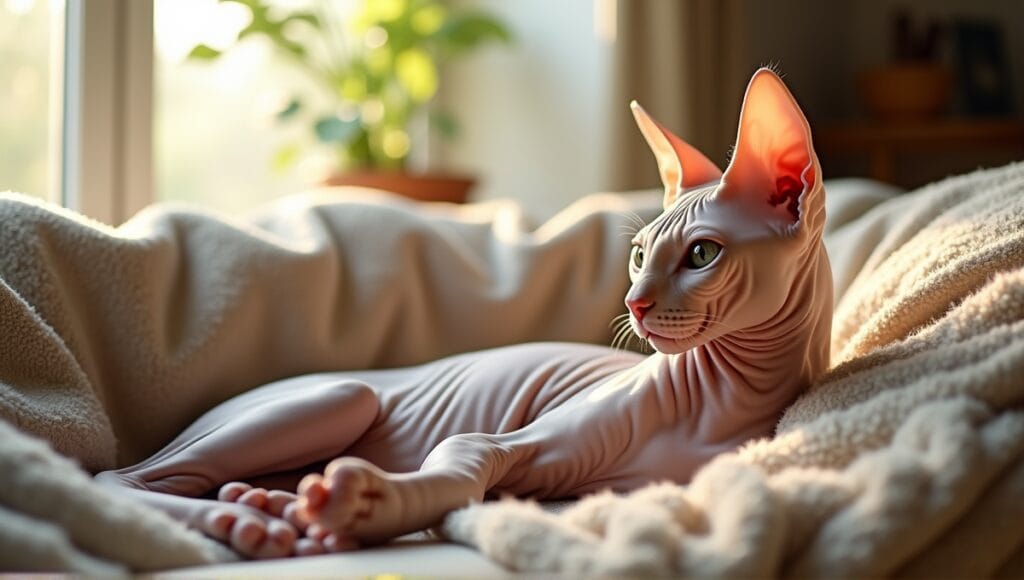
(906,459)
(113,340)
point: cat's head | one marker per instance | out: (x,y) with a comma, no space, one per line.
(729,249)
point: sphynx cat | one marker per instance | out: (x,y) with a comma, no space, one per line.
(730,285)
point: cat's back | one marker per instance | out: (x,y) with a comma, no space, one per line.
(501,389)
(491,391)
(532,379)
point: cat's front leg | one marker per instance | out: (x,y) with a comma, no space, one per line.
(363,504)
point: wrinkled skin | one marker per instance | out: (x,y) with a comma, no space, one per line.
(737,339)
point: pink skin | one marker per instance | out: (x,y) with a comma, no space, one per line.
(737,339)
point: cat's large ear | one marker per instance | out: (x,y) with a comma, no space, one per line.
(774,166)
(679,164)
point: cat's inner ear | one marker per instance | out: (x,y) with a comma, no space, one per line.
(773,164)
(679,163)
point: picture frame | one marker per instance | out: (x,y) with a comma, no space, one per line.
(982,67)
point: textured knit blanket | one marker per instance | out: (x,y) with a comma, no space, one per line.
(114,340)
(907,458)
(904,459)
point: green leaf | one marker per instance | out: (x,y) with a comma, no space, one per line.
(307,17)
(428,19)
(417,74)
(285,157)
(384,10)
(465,31)
(251,4)
(272,28)
(290,110)
(292,47)
(379,61)
(445,124)
(353,87)
(204,52)
(332,129)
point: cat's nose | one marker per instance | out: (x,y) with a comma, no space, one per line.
(639,307)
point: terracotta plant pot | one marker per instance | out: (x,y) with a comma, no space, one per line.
(908,91)
(418,186)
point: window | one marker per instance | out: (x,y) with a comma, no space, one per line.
(102,112)
(216,138)
(30,71)
(107,112)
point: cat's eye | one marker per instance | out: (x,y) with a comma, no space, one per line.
(637,257)
(702,253)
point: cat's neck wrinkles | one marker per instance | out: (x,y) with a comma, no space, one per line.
(748,377)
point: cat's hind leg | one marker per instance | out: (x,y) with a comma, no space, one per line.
(279,427)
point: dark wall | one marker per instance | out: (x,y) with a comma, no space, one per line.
(823,46)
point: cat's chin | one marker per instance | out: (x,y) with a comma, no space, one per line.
(666,345)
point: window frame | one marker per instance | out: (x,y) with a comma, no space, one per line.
(106,156)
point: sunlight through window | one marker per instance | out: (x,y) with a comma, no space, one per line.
(29,75)
(217,141)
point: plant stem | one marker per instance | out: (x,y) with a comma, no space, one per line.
(334,40)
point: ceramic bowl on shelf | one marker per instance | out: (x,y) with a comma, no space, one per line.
(907,91)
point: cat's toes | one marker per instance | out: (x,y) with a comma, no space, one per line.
(273,502)
(344,498)
(317,532)
(278,541)
(309,547)
(320,540)
(291,515)
(249,534)
(256,498)
(313,495)
(330,541)
(278,501)
(217,524)
(230,492)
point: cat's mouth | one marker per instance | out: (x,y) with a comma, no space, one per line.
(669,344)
(672,331)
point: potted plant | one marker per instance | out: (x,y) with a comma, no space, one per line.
(377,71)
(915,85)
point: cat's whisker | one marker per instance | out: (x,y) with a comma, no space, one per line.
(621,340)
(617,334)
(623,336)
(628,231)
(618,320)
(639,221)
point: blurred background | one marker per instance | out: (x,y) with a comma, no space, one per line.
(107,105)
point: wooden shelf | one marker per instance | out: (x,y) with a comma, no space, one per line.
(886,145)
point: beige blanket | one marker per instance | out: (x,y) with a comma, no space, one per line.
(906,459)
(112,341)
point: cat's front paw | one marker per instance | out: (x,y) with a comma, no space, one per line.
(355,500)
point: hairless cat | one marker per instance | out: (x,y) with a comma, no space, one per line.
(730,284)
